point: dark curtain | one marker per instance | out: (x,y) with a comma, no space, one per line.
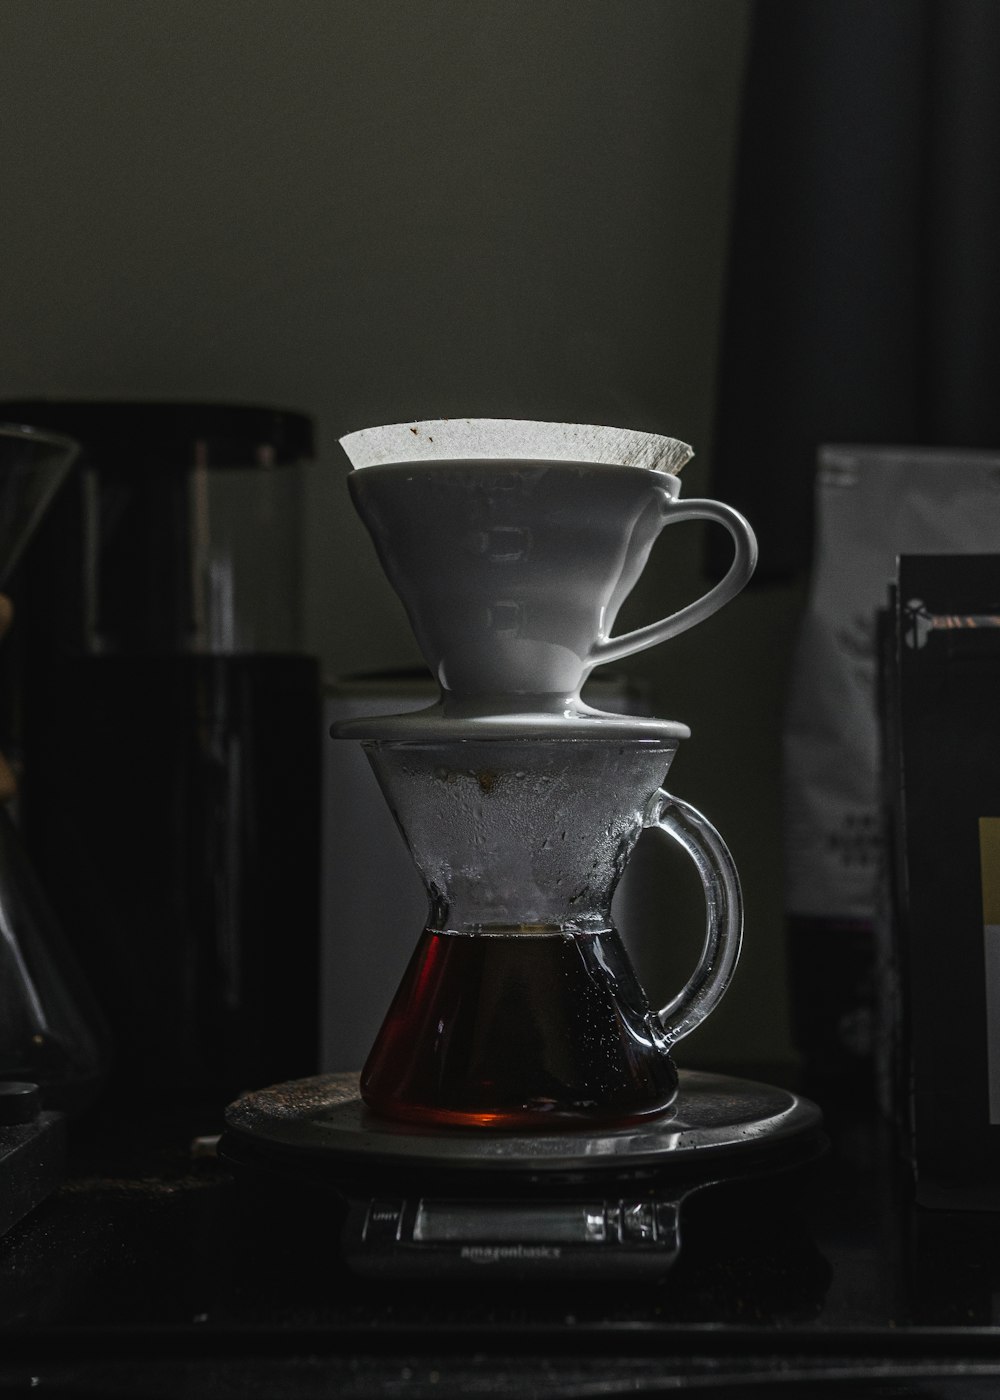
(863,302)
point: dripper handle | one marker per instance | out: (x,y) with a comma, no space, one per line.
(724,913)
(740,570)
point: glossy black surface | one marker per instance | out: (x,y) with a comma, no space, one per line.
(153,1271)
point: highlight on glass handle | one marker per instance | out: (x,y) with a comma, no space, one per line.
(723,913)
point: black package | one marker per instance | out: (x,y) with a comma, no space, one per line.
(941,992)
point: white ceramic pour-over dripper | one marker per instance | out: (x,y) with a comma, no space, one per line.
(513,544)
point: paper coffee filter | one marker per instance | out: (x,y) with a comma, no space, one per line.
(462,439)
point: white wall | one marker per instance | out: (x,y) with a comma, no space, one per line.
(380,209)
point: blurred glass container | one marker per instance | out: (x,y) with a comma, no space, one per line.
(33,465)
(51,1031)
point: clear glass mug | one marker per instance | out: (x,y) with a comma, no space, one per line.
(520,1007)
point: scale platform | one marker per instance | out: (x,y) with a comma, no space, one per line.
(420,1202)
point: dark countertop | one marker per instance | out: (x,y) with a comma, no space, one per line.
(152,1271)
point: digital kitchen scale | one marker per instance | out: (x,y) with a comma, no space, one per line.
(426,1203)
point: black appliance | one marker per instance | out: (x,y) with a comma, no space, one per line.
(167,718)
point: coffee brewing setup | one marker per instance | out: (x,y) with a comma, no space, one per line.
(520,1106)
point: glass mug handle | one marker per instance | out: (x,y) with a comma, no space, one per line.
(740,570)
(724,912)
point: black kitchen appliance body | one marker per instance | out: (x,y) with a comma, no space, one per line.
(167,721)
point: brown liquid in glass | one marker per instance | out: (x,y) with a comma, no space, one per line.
(520,1029)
